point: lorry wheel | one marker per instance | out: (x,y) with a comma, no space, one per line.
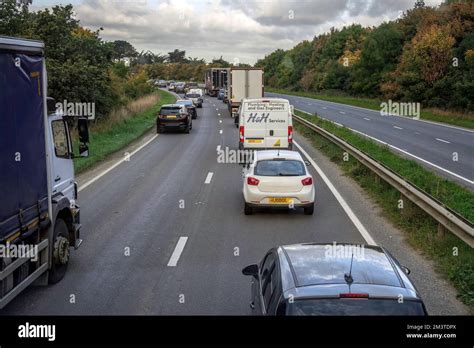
(248,210)
(309,210)
(60,255)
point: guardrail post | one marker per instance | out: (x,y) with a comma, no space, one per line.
(441,232)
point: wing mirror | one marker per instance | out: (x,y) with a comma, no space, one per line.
(308,163)
(83,130)
(406,270)
(251,270)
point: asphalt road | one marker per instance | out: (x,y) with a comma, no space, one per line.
(144,253)
(431,144)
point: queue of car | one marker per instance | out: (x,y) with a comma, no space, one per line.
(300,279)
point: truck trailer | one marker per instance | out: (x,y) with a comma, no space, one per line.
(243,83)
(39,215)
(215,79)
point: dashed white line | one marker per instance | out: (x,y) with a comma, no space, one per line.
(218,148)
(116,164)
(220,121)
(220,132)
(443,141)
(209,178)
(325,108)
(366,118)
(355,220)
(218,114)
(177,251)
(396,127)
(342,112)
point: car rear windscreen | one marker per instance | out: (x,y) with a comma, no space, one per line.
(192,95)
(170,111)
(355,307)
(280,168)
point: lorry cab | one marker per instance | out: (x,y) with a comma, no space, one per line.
(265,123)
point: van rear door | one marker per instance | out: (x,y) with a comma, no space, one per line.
(255,118)
(276,132)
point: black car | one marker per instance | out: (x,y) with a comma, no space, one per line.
(173,116)
(332,279)
(188,103)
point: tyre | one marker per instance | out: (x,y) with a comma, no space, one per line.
(309,210)
(60,255)
(248,210)
(187,129)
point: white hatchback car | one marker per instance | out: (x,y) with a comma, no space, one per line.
(278,179)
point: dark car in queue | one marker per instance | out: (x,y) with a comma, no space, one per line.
(174,117)
(330,279)
(221,94)
(189,106)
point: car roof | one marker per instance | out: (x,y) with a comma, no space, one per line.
(184,101)
(319,269)
(271,154)
(171,106)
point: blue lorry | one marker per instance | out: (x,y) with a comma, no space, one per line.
(39,215)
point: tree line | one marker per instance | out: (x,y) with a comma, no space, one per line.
(82,67)
(426,55)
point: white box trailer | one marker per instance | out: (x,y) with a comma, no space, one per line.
(243,83)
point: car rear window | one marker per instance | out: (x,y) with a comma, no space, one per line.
(280,168)
(185,102)
(169,110)
(354,307)
(192,95)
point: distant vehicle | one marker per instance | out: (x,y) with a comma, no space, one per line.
(314,279)
(172,86)
(215,79)
(277,179)
(173,116)
(265,123)
(162,83)
(180,87)
(244,83)
(190,85)
(195,95)
(221,94)
(191,109)
(40,220)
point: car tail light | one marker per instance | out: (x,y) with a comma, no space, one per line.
(241,133)
(290,134)
(353,295)
(307,181)
(252,181)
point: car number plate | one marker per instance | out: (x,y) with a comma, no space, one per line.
(171,116)
(254,141)
(280,200)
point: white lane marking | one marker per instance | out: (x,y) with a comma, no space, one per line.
(209,178)
(220,121)
(220,132)
(97,177)
(325,108)
(443,141)
(177,251)
(218,114)
(414,156)
(396,127)
(355,220)
(378,112)
(218,148)
(399,149)
(366,118)
(342,112)
(217,109)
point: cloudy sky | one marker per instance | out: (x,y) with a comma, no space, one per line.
(239,30)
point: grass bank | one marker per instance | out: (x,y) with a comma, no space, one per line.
(453,258)
(121,128)
(442,116)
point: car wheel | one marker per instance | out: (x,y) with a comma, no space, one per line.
(248,210)
(60,252)
(187,129)
(309,210)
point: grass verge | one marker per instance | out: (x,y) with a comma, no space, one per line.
(442,116)
(453,258)
(107,140)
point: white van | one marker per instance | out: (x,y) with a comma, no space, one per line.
(265,123)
